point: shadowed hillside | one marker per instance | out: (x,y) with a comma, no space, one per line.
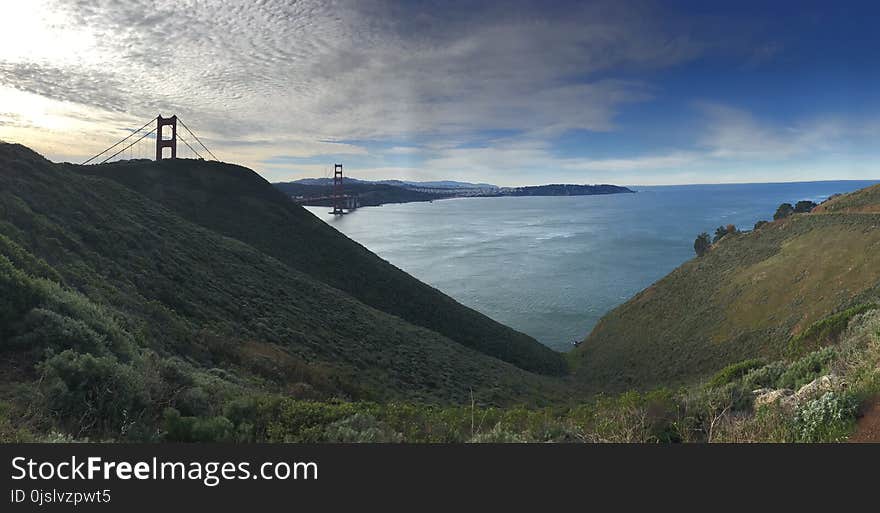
(755,294)
(236,202)
(113,307)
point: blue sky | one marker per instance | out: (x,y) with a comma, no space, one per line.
(513,93)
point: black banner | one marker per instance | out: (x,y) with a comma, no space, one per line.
(101,477)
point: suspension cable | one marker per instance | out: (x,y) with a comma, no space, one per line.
(179,136)
(129,146)
(197,139)
(118,143)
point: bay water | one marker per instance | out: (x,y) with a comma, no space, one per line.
(552,266)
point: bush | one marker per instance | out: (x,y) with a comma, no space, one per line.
(760,224)
(361,428)
(829,329)
(806,369)
(499,435)
(92,394)
(827,419)
(47,329)
(702,244)
(734,371)
(764,377)
(196,429)
(804,206)
(784,210)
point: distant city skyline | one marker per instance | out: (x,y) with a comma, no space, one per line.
(510,93)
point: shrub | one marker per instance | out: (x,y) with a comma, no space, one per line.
(361,428)
(829,329)
(760,224)
(47,329)
(92,394)
(806,369)
(764,377)
(196,429)
(827,419)
(784,210)
(702,244)
(734,371)
(804,206)
(499,435)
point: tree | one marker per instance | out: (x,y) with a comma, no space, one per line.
(783,211)
(804,206)
(760,224)
(702,244)
(720,232)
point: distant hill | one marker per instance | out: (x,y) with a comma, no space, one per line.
(563,190)
(317,191)
(443,184)
(369,194)
(753,295)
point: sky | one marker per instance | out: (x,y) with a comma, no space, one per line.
(511,93)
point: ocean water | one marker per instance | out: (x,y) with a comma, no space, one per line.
(552,266)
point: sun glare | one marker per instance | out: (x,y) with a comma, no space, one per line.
(32,32)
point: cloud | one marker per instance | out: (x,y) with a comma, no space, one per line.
(736,133)
(319,71)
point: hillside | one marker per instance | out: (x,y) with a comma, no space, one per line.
(563,190)
(113,307)
(756,294)
(238,203)
(865,201)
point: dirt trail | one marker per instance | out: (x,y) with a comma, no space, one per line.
(868,426)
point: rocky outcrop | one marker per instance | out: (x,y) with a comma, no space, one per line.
(788,398)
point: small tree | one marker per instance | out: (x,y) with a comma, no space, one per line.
(720,232)
(760,224)
(702,244)
(804,206)
(783,211)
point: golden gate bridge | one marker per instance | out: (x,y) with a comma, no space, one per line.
(143,143)
(138,139)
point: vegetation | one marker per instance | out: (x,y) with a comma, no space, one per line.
(702,244)
(724,231)
(804,207)
(755,295)
(784,210)
(236,202)
(160,305)
(114,308)
(864,201)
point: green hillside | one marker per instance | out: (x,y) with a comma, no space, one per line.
(755,294)
(236,202)
(114,307)
(865,201)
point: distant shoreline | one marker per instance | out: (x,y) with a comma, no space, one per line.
(316,192)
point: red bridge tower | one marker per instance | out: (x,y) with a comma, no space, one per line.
(166,143)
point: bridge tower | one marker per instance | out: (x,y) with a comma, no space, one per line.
(166,143)
(338,191)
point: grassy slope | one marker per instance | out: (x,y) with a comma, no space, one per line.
(180,289)
(748,297)
(863,201)
(238,203)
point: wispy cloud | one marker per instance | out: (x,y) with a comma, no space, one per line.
(405,88)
